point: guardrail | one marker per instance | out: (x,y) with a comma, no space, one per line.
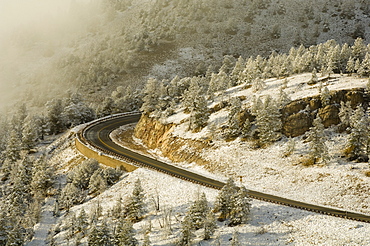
(133,164)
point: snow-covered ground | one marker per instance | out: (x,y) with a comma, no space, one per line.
(338,184)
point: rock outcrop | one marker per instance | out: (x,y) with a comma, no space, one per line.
(297,118)
(156,135)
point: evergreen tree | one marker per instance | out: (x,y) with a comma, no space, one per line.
(125,234)
(268,122)
(71,195)
(284,99)
(151,97)
(54,121)
(135,204)
(364,69)
(209,225)
(186,234)
(29,133)
(97,183)
(289,148)
(117,210)
(223,203)
(314,79)
(316,138)
(82,222)
(199,114)
(81,174)
(325,96)
(258,84)
(351,65)
(239,213)
(234,120)
(358,138)
(100,235)
(345,113)
(197,213)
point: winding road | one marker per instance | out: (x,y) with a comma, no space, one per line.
(96,135)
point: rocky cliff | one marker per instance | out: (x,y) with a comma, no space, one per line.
(297,118)
(156,135)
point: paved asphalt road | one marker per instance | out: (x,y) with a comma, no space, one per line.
(98,135)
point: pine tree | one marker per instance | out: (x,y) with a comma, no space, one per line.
(199,114)
(239,213)
(29,133)
(351,65)
(186,234)
(97,183)
(81,174)
(314,79)
(223,201)
(70,196)
(117,210)
(358,138)
(54,120)
(268,122)
(325,96)
(258,84)
(100,235)
(209,225)
(135,204)
(316,138)
(284,99)
(82,222)
(345,113)
(234,120)
(151,97)
(125,234)
(197,213)
(42,177)
(364,69)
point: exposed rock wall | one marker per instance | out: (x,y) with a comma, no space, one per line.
(298,115)
(297,118)
(156,135)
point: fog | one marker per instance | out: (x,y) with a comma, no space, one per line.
(25,25)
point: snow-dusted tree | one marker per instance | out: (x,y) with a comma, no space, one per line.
(283,99)
(107,107)
(96,212)
(190,95)
(199,114)
(151,97)
(97,183)
(54,120)
(81,174)
(12,152)
(186,234)
(77,112)
(345,113)
(209,225)
(258,84)
(125,234)
(350,68)
(134,208)
(70,196)
(239,213)
(314,79)
(29,133)
(197,212)
(364,69)
(100,235)
(358,139)
(236,72)
(82,222)
(268,122)
(316,138)
(117,210)
(42,177)
(358,49)
(234,120)
(223,203)
(325,96)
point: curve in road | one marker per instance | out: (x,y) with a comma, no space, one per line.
(97,135)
